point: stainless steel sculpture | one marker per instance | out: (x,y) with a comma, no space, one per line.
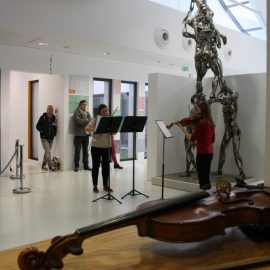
(232,131)
(208,39)
(190,147)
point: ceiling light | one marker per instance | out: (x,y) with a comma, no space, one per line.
(43,44)
(107,53)
(66,47)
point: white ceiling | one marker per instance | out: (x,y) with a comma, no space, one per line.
(14,33)
(98,50)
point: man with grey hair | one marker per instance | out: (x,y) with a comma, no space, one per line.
(81,138)
(47,128)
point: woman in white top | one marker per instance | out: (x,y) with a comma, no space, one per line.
(100,151)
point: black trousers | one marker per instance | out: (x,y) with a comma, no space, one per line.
(203,162)
(81,142)
(101,156)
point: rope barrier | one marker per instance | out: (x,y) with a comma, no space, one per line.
(9,162)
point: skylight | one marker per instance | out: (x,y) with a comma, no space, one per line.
(241,14)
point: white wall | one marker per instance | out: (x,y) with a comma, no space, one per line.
(267,130)
(168,101)
(36,62)
(51,91)
(169,97)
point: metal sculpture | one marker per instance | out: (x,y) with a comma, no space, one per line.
(208,39)
(189,147)
(232,132)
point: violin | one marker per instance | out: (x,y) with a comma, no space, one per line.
(194,120)
(187,218)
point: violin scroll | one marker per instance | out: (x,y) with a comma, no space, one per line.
(223,189)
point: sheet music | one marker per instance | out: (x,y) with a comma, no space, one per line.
(97,122)
(164,129)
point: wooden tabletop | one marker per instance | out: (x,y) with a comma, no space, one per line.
(123,249)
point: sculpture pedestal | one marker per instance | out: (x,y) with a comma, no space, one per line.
(179,181)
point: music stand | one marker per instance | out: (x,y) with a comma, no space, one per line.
(108,124)
(133,124)
(166,135)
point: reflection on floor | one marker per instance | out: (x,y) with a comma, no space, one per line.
(191,183)
(60,202)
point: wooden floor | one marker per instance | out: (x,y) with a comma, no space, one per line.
(123,249)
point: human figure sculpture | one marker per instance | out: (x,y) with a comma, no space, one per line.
(232,131)
(189,147)
(207,39)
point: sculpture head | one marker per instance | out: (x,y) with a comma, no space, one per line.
(201,4)
(204,10)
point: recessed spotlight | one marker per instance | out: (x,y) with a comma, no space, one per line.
(43,44)
(107,53)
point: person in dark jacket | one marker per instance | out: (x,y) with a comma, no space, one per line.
(47,128)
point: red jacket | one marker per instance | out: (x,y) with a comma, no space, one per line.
(204,136)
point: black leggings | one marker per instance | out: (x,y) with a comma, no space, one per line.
(103,156)
(203,162)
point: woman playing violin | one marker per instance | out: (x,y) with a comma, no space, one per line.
(100,152)
(203,136)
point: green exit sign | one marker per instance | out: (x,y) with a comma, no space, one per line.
(184,68)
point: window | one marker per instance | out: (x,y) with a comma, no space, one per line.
(241,15)
(102,94)
(146,114)
(247,19)
(128,108)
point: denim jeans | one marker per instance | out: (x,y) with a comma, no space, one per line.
(47,146)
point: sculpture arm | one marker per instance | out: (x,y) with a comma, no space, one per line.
(185,32)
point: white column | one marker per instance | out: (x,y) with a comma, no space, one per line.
(6,106)
(267,127)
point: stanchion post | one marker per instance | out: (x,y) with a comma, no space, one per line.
(21,189)
(16,176)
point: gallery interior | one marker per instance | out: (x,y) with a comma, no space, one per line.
(133,57)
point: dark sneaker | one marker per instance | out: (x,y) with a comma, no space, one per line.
(44,168)
(95,189)
(117,166)
(206,186)
(87,168)
(108,189)
(52,169)
(76,169)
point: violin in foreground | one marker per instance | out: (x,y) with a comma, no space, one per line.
(191,217)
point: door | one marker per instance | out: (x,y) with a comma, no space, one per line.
(33,113)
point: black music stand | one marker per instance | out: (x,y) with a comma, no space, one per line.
(134,124)
(108,124)
(166,135)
